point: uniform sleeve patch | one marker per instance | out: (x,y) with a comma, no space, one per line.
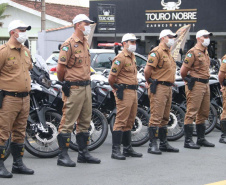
(117,62)
(63,59)
(186,61)
(189,55)
(26,54)
(153,55)
(114,70)
(150,61)
(224,61)
(65,48)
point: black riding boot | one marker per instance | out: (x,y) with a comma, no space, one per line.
(164,145)
(63,157)
(200,129)
(153,145)
(116,145)
(3,171)
(223,130)
(188,142)
(17,151)
(127,147)
(83,153)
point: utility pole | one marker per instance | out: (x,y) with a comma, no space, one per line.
(43,16)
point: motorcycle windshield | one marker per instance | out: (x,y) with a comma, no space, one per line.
(40,62)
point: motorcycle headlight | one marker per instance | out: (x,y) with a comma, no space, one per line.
(45,82)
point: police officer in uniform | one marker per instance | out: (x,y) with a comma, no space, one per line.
(222,80)
(15,85)
(161,68)
(196,64)
(74,69)
(123,80)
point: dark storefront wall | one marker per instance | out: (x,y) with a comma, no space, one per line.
(140,17)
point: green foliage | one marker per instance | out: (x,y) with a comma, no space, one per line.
(3,7)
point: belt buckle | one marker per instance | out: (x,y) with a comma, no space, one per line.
(15,95)
(163,83)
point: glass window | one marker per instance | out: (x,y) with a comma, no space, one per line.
(140,61)
(103,60)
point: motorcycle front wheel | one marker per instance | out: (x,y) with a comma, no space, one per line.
(98,131)
(41,143)
(139,132)
(175,125)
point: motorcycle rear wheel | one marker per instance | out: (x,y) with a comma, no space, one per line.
(98,131)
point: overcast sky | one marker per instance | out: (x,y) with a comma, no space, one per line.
(84,3)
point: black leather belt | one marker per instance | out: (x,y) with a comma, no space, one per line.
(16,94)
(165,83)
(133,87)
(81,83)
(205,81)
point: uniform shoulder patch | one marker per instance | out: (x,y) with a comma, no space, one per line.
(114,70)
(153,55)
(117,62)
(186,61)
(150,61)
(26,54)
(189,55)
(65,48)
(63,59)
(224,61)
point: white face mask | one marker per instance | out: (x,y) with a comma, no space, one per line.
(206,42)
(22,37)
(170,42)
(87,30)
(132,48)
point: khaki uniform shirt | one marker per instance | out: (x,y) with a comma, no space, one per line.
(14,68)
(75,55)
(164,65)
(223,65)
(198,62)
(124,68)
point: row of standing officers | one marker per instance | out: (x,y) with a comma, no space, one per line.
(74,69)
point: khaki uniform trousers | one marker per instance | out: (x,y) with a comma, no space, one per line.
(160,105)
(126,111)
(198,103)
(77,107)
(13,118)
(223,115)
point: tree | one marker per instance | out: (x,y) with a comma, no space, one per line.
(3,7)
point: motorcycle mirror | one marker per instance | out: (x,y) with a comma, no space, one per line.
(59,46)
(55,59)
(26,43)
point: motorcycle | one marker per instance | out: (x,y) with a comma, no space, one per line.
(43,121)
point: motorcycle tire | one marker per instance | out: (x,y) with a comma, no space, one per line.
(212,120)
(139,132)
(99,125)
(175,125)
(34,144)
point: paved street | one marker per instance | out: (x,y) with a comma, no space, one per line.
(189,167)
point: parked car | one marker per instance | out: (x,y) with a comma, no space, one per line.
(100,60)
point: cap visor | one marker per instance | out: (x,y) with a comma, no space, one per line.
(89,21)
(24,28)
